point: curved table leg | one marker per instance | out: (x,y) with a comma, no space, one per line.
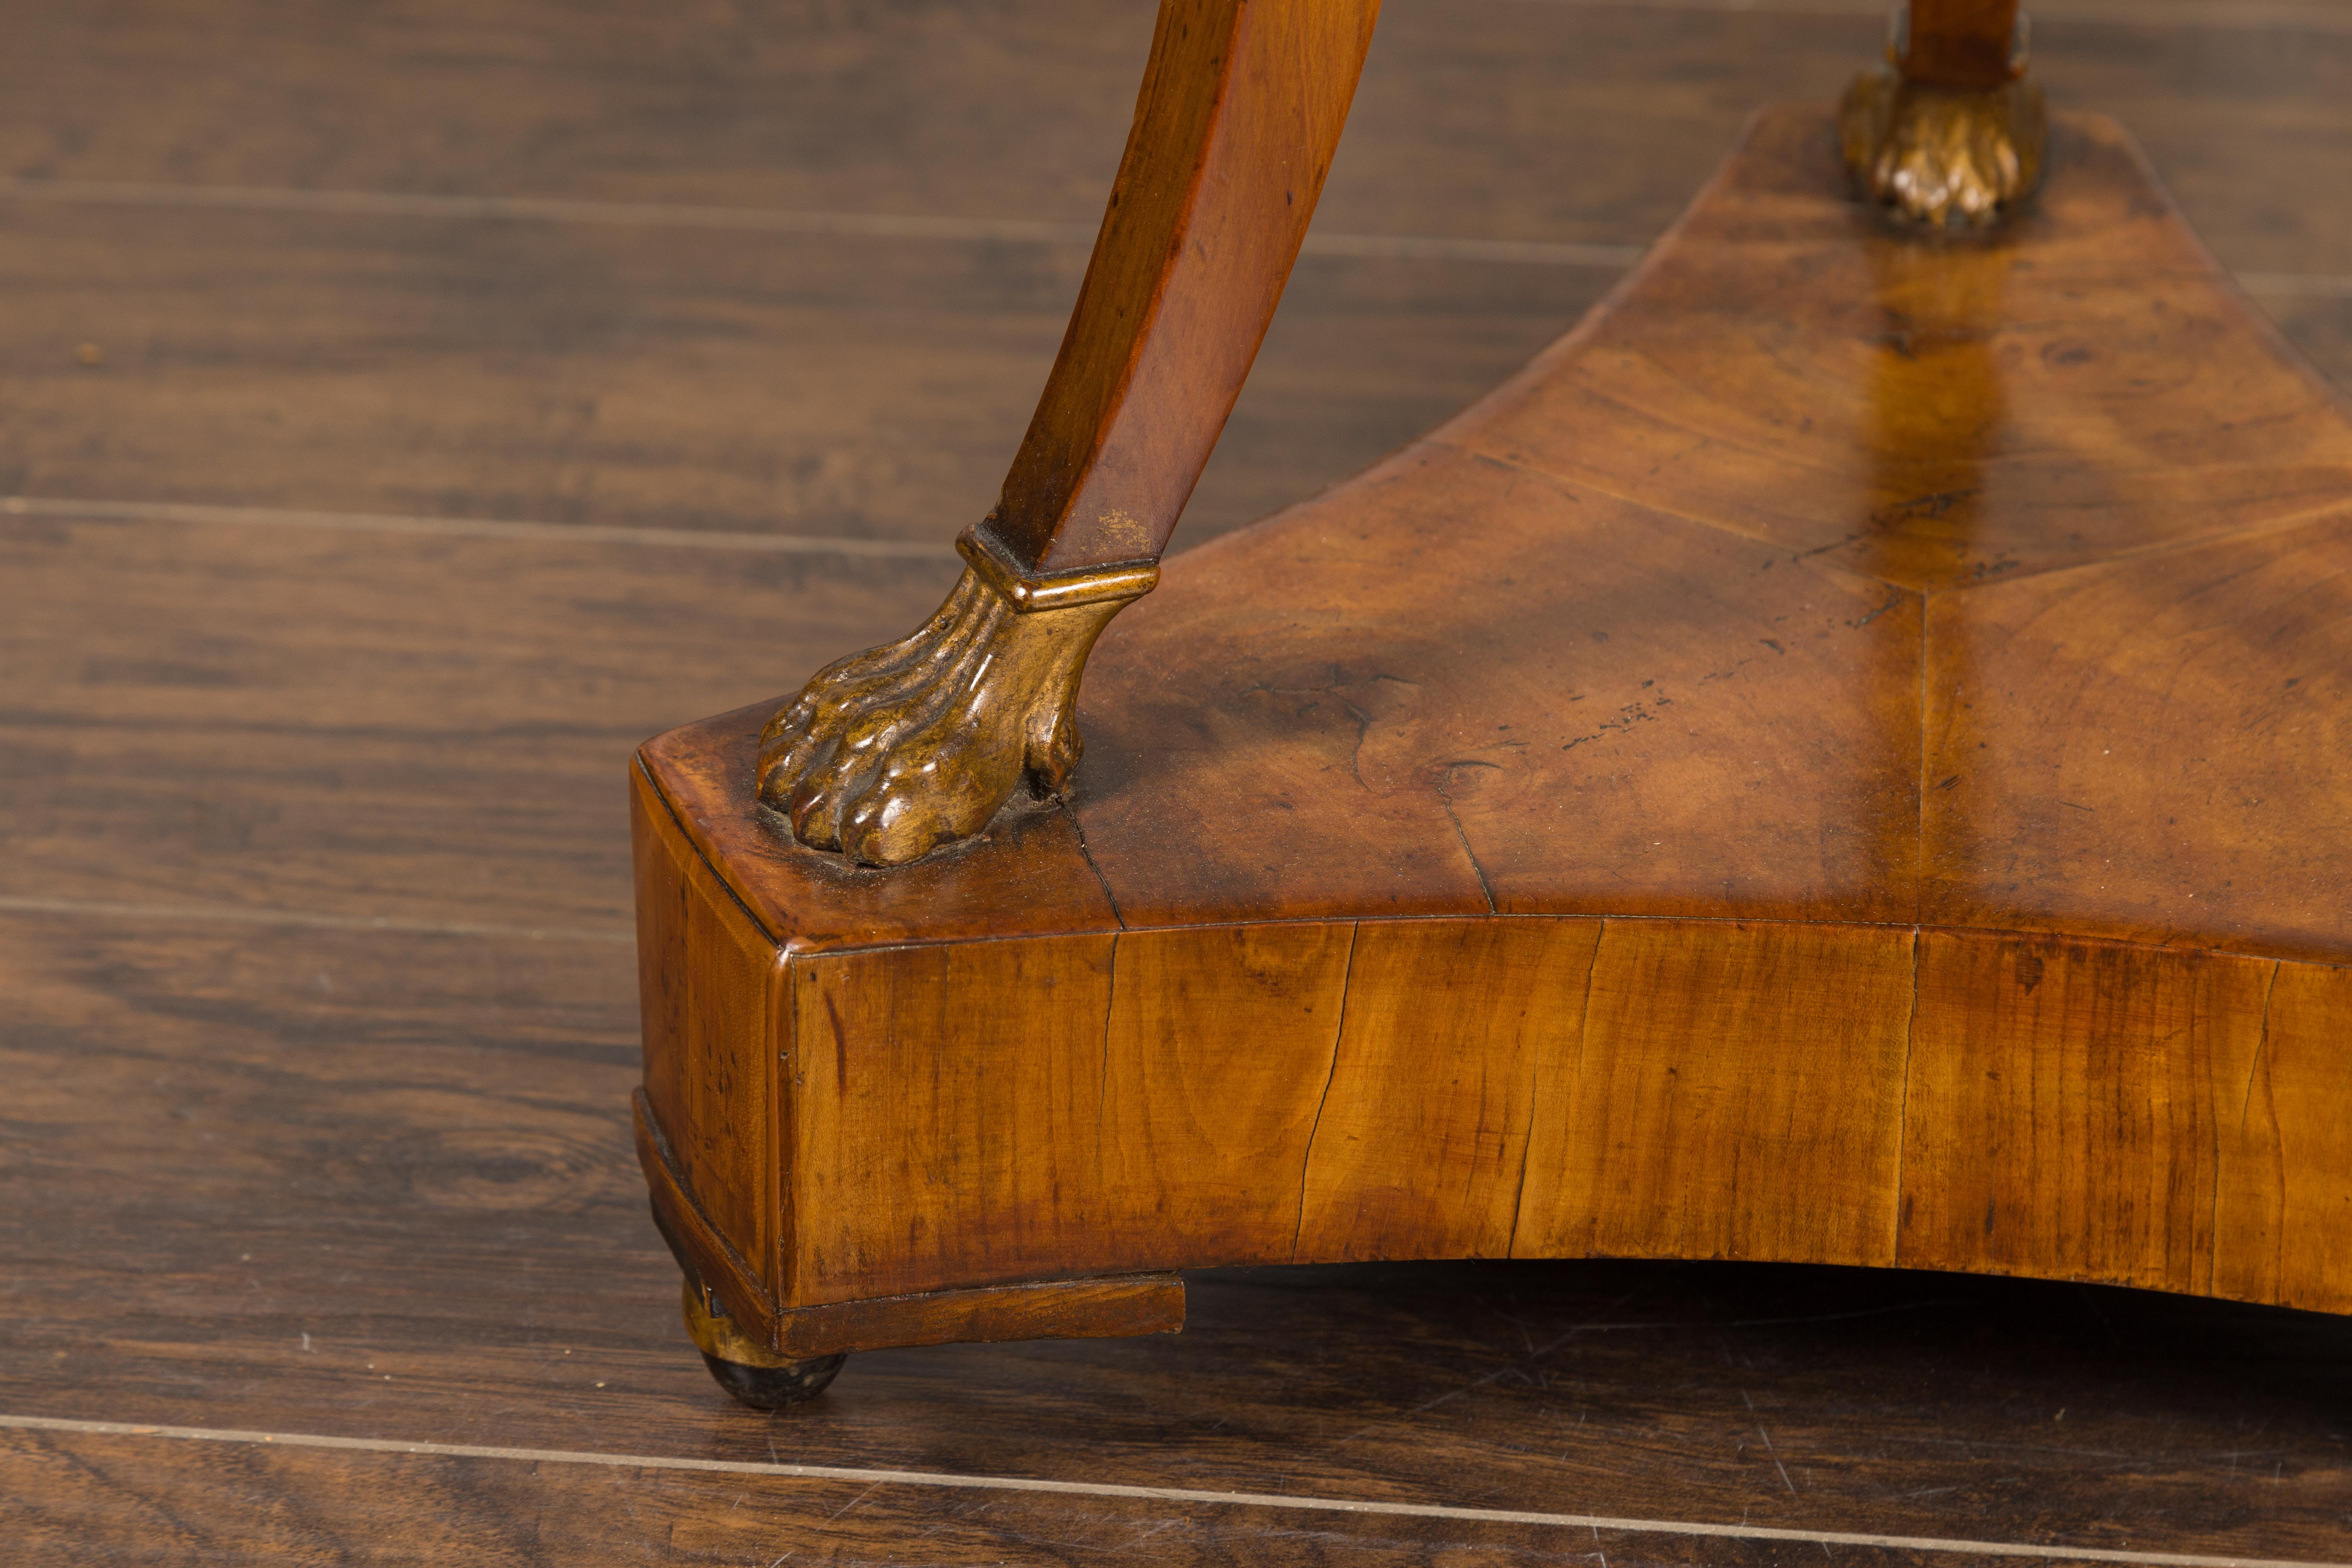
(893,752)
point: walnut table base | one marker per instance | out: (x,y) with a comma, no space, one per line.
(1842,759)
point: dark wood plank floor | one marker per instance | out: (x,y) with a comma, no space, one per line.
(335,591)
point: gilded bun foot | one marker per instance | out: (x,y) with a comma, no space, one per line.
(773,1387)
(750,1371)
(890,754)
(1944,156)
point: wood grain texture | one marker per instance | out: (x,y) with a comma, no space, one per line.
(1498,684)
(1204,1129)
(1422,1145)
(711,1109)
(1734,1093)
(1935,418)
(629,376)
(1566,719)
(1006,1038)
(2207,702)
(975,1114)
(2283,1166)
(371,726)
(652,376)
(1845,485)
(2086,1128)
(1117,1304)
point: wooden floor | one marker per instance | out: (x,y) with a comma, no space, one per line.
(413,406)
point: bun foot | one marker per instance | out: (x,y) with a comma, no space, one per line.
(774,1387)
(753,1374)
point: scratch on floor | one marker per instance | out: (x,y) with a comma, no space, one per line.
(853,1502)
(1775,1453)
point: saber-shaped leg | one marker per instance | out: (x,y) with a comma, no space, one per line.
(892,753)
(1949,131)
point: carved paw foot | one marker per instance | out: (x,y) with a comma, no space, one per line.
(1943,156)
(892,753)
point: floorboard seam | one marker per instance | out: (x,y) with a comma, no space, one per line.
(1608,257)
(67,511)
(761,220)
(220,914)
(1600,256)
(876,1476)
(2248,16)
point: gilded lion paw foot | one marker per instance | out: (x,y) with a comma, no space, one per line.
(890,754)
(1943,156)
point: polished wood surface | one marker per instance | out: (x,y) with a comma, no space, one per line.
(1803,941)
(1756,597)
(235,1123)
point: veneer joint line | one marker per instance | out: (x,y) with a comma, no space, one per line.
(2245,1108)
(1338,1039)
(1903,1110)
(1926,696)
(1535,1076)
(1079,828)
(2015,934)
(1102,1085)
(877,1477)
(231,914)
